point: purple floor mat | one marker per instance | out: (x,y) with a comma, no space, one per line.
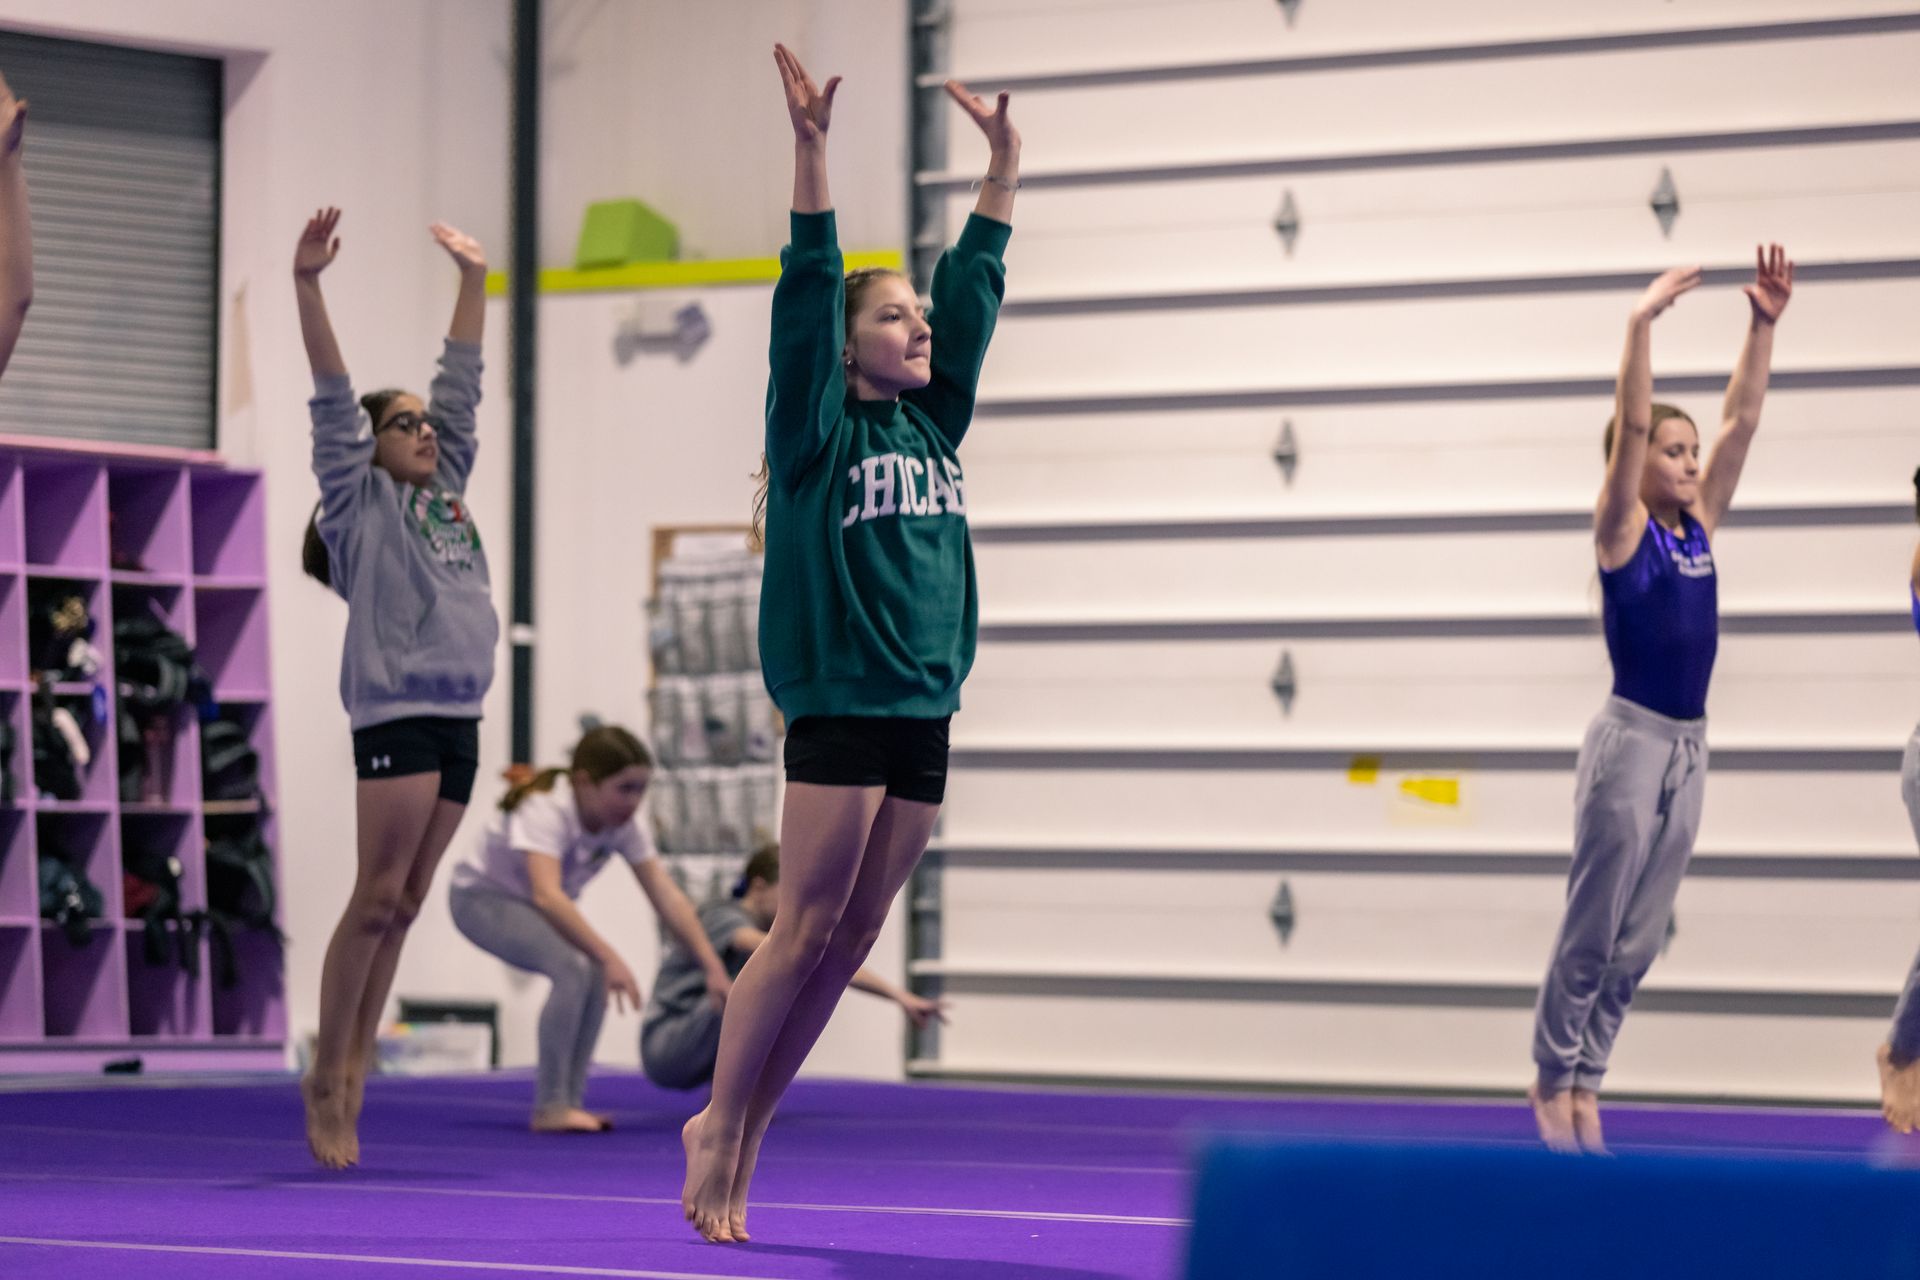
(858,1181)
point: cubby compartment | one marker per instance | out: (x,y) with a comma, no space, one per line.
(13,552)
(230,636)
(158,752)
(19,872)
(20,1009)
(64,505)
(16,773)
(229,527)
(147,522)
(167,982)
(255,1005)
(13,630)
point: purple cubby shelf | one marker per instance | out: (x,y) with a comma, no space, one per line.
(183,537)
(230,637)
(229,527)
(64,503)
(20,1016)
(147,521)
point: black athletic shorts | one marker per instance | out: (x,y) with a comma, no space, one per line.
(907,757)
(422,744)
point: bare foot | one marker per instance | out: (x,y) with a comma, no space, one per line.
(330,1134)
(1554,1116)
(709,1186)
(1899,1091)
(1586,1122)
(742,1179)
(568,1120)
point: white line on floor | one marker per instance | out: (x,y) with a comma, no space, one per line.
(936,1211)
(385,1188)
(775,1159)
(542,1269)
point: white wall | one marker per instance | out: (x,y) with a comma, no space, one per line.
(397,111)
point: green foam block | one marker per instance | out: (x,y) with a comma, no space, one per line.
(618,232)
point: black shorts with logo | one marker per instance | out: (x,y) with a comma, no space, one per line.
(907,757)
(422,744)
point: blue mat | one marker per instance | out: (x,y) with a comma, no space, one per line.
(1358,1211)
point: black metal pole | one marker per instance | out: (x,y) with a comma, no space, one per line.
(523,291)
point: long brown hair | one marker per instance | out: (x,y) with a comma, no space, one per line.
(314,559)
(859,280)
(600,753)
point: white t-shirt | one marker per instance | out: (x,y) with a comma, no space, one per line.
(548,822)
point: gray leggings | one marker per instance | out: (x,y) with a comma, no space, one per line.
(678,1050)
(1905,1037)
(1637,799)
(513,929)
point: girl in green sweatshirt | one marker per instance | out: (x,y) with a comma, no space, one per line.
(867,613)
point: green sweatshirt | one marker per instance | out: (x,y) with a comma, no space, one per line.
(868,606)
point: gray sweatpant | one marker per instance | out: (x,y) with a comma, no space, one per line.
(513,929)
(1905,1036)
(1641,778)
(678,1050)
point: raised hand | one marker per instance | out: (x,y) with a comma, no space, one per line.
(13,120)
(1667,286)
(462,248)
(1772,283)
(1002,137)
(809,106)
(317,246)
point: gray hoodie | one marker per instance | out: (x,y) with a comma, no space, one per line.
(421,629)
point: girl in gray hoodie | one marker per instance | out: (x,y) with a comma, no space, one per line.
(394,538)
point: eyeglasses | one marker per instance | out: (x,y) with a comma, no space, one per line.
(410,422)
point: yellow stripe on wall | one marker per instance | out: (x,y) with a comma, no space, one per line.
(679,275)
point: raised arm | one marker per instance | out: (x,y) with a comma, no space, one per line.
(811,109)
(681,920)
(455,394)
(919,1010)
(807,380)
(314,253)
(550,900)
(16,225)
(1740,414)
(1003,159)
(470,304)
(971,277)
(1620,517)
(342,442)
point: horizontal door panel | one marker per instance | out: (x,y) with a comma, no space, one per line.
(1383,803)
(1815,446)
(1036,37)
(1841,567)
(1730,934)
(1829,81)
(1185,1037)
(1838,324)
(1767,689)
